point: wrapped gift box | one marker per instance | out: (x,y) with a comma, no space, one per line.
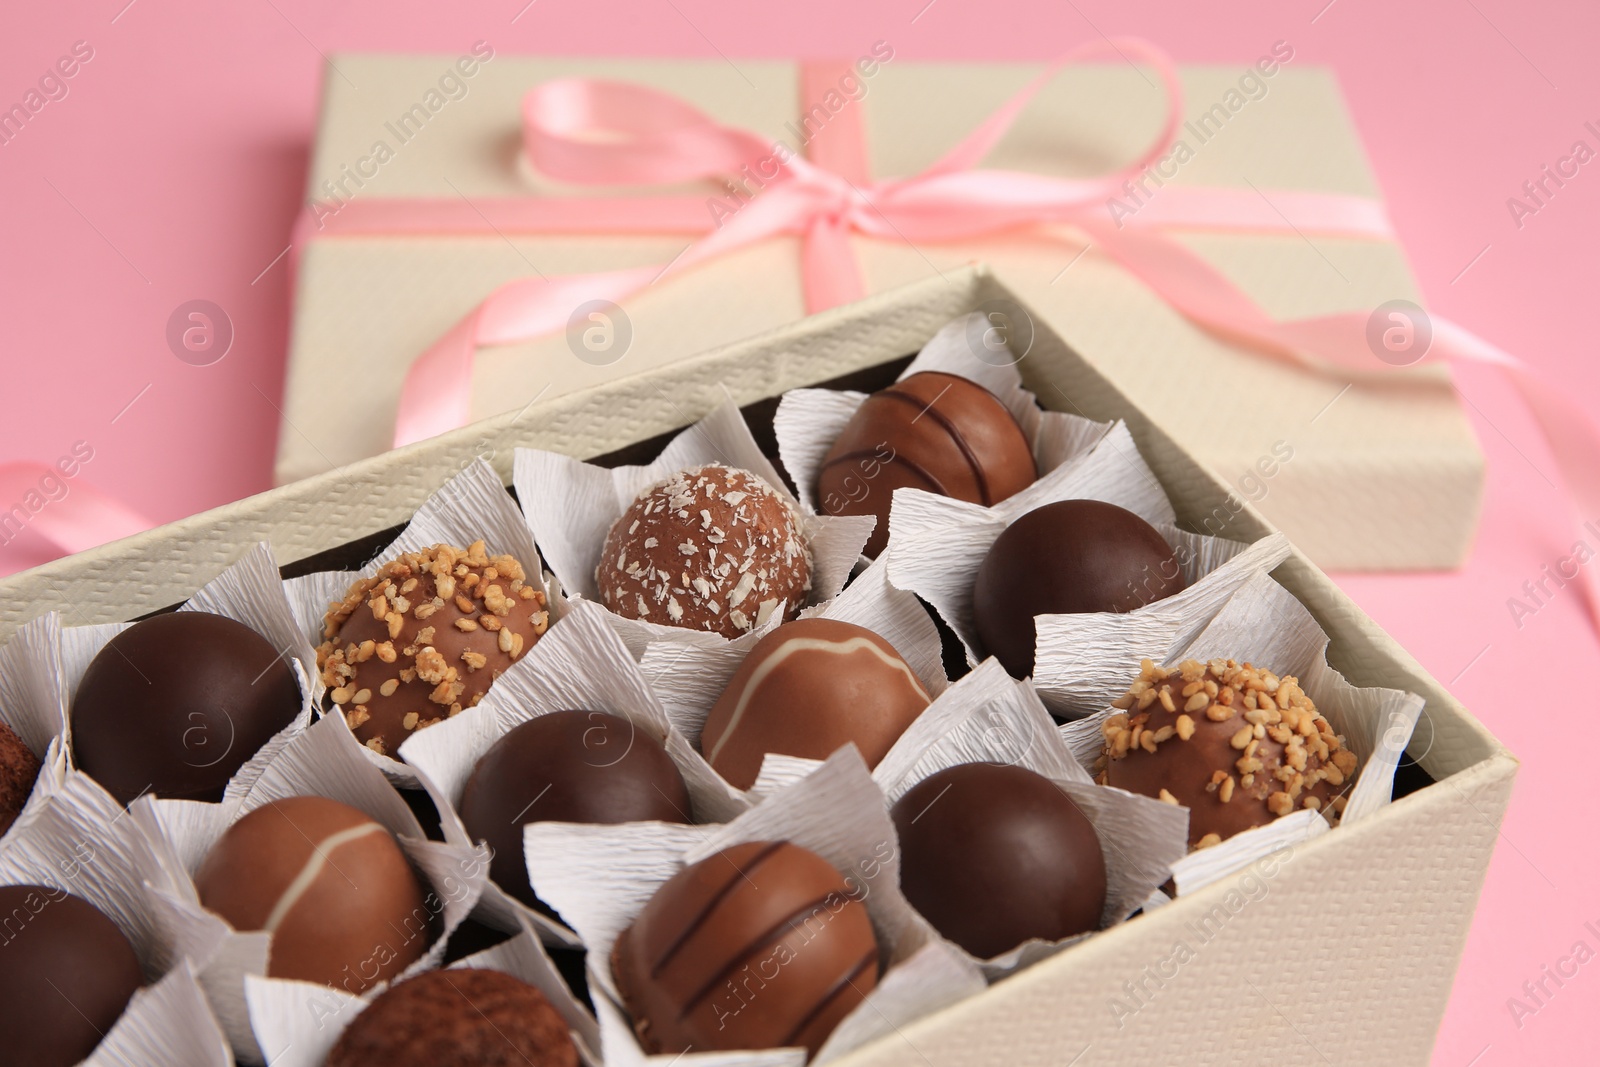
(1368,474)
(1351,941)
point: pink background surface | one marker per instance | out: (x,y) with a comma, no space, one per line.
(174,166)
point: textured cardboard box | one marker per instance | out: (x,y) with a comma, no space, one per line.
(1384,476)
(1343,951)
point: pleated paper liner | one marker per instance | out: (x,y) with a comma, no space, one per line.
(688,678)
(1265,625)
(579,665)
(809,421)
(571,505)
(327,761)
(470,507)
(298,1023)
(600,877)
(80,840)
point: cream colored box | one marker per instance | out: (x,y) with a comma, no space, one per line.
(1347,945)
(1383,475)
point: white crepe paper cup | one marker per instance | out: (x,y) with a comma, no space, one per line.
(571,506)
(809,421)
(601,877)
(1263,624)
(298,1023)
(33,703)
(579,665)
(325,760)
(472,506)
(249,591)
(990,717)
(688,679)
(81,841)
(938,544)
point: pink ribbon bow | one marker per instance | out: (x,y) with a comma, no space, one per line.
(598,132)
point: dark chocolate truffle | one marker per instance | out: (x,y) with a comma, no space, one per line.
(174,705)
(993,855)
(807,688)
(1067,558)
(19,769)
(330,885)
(566,766)
(1236,745)
(66,974)
(711,548)
(463,1017)
(425,637)
(762,945)
(932,431)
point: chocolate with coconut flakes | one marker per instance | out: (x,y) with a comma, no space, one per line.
(424,638)
(711,548)
(1236,745)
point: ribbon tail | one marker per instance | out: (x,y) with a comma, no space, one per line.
(1205,296)
(84,518)
(831,274)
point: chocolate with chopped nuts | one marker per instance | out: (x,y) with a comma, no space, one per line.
(1236,745)
(711,548)
(424,638)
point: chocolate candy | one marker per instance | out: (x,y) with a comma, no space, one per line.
(711,548)
(1067,558)
(19,769)
(762,945)
(177,703)
(463,1017)
(425,637)
(566,766)
(66,974)
(330,885)
(1236,745)
(807,688)
(993,855)
(932,431)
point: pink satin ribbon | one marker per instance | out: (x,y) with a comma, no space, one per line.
(83,518)
(609,133)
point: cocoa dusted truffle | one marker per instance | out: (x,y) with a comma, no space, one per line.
(19,769)
(176,704)
(425,637)
(807,688)
(1236,745)
(66,974)
(932,431)
(711,548)
(762,945)
(330,885)
(566,766)
(1067,558)
(993,855)
(462,1017)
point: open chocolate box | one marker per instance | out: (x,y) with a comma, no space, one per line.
(1342,947)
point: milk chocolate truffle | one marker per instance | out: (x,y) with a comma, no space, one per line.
(566,766)
(177,703)
(425,637)
(66,974)
(1236,745)
(330,885)
(932,431)
(762,945)
(993,855)
(462,1017)
(711,548)
(1067,558)
(807,688)
(19,769)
